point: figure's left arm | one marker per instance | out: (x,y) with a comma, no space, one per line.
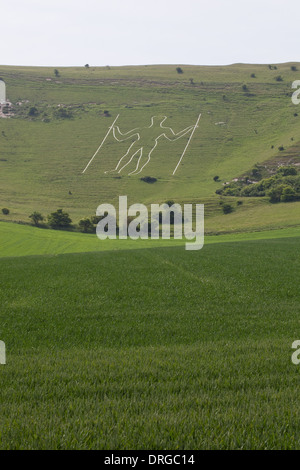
(179,134)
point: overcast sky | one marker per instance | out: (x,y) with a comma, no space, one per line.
(131,32)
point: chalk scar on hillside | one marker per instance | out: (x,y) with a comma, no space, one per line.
(143,145)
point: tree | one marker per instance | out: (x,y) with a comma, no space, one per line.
(5,211)
(36,217)
(179,70)
(87,66)
(276,192)
(59,219)
(56,72)
(288,194)
(86,225)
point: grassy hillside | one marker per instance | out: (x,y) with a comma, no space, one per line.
(193,351)
(23,240)
(42,156)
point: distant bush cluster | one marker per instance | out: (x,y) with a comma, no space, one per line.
(60,220)
(284,186)
(148,179)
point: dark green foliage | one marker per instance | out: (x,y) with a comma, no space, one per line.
(287,170)
(33,111)
(227,208)
(86,225)
(216,178)
(170,203)
(288,194)
(284,186)
(179,70)
(5,211)
(63,113)
(148,179)
(59,219)
(36,218)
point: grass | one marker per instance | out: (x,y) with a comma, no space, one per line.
(42,158)
(113,345)
(25,240)
(152,349)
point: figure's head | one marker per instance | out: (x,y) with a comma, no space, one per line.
(158,120)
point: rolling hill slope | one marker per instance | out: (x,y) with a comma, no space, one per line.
(59,122)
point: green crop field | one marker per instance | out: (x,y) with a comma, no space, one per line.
(192,351)
(140,344)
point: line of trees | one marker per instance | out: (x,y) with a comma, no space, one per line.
(61,220)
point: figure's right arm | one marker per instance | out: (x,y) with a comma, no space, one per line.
(121,137)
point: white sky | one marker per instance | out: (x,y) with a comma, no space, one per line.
(131,32)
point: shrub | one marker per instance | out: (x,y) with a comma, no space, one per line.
(148,179)
(279,78)
(170,203)
(86,225)
(216,178)
(294,68)
(255,173)
(63,113)
(33,111)
(287,171)
(275,193)
(227,208)
(59,219)
(36,217)
(179,70)
(5,211)
(288,194)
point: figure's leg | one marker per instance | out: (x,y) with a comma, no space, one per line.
(139,151)
(143,161)
(117,169)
